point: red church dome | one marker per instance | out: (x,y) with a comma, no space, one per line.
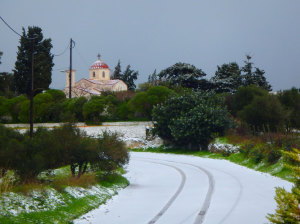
(99,64)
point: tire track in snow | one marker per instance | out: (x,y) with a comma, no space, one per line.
(172,199)
(201,215)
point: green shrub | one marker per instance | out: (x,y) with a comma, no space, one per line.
(288,210)
(271,153)
(142,103)
(111,152)
(244,97)
(93,109)
(51,149)
(290,99)
(192,119)
(264,112)
(257,153)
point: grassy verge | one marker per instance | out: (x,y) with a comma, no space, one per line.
(278,169)
(61,201)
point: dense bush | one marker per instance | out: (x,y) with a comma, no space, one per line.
(93,109)
(244,97)
(290,99)
(142,103)
(50,149)
(10,108)
(264,113)
(192,119)
(112,153)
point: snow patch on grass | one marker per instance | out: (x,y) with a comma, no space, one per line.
(39,200)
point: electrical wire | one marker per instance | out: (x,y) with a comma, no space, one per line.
(28,38)
(80,55)
(56,55)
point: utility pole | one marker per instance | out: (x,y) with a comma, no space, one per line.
(32,89)
(70,73)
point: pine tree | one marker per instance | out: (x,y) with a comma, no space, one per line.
(129,76)
(182,74)
(152,79)
(227,78)
(254,78)
(1,53)
(32,42)
(117,73)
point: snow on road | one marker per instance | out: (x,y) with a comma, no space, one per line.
(238,194)
(174,189)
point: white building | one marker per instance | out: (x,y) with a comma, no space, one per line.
(99,81)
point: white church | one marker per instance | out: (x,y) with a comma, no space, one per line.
(99,81)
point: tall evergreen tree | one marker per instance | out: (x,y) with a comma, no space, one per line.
(129,76)
(152,79)
(227,78)
(1,53)
(117,73)
(182,74)
(254,78)
(32,42)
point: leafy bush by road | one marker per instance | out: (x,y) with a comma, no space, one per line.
(192,119)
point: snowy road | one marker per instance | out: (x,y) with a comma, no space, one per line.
(185,189)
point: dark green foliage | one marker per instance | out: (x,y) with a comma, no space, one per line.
(93,109)
(43,62)
(111,108)
(112,153)
(227,78)
(244,97)
(11,108)
(290,99)
(142,103)
(182,74)
(129,76)
(50,149)
(117,72)
(6,84)
(152,79)
(191,119)
(264,113)
(57,95)
(72,109)
(124,112)
(254,78)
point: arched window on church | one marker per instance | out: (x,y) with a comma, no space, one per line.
(103,74)
(94,74)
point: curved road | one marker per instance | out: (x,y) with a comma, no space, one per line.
(185,189)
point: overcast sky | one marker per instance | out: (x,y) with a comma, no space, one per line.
(156,34)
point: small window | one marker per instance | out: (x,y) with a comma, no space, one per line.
(94,74)
(103,74)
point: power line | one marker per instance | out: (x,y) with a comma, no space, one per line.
(15,31)
(80,55)
(56,55)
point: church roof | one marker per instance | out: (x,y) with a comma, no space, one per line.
(99,64)
(104,82)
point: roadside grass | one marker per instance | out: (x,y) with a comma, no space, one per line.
(277,169)
(59,198)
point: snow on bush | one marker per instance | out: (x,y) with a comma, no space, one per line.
(223,148)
